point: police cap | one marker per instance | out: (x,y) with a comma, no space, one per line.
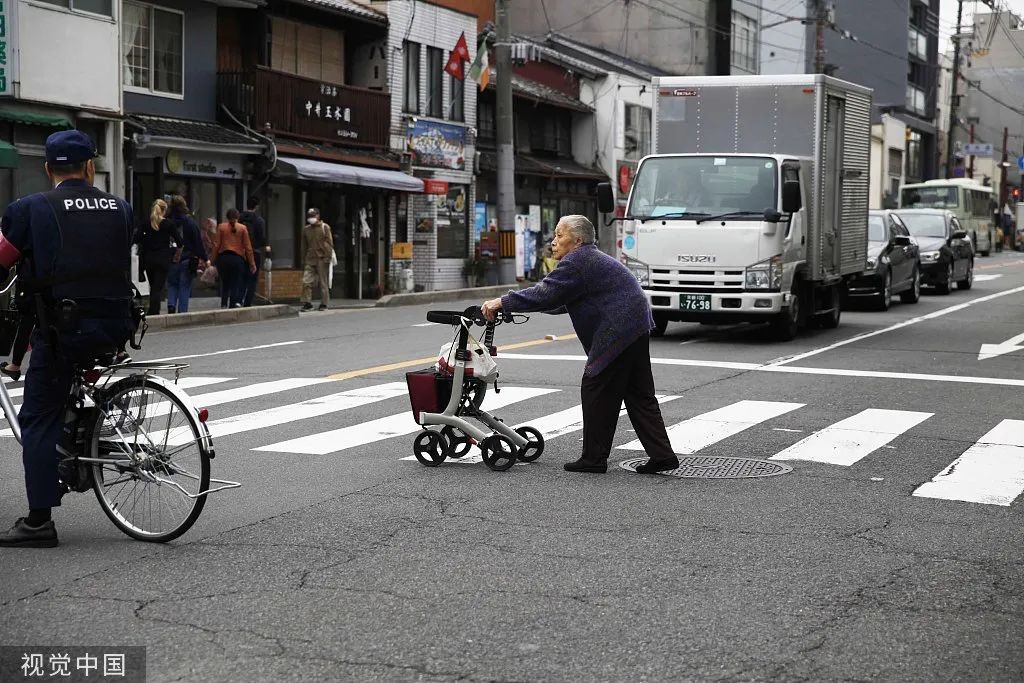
(69,147)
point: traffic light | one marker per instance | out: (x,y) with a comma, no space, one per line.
(1015,192)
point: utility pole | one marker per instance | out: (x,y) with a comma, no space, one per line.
(505,120)
(953,90)
(1003,191)
(970,169)
(819,36)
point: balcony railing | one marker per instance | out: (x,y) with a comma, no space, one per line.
(307,108)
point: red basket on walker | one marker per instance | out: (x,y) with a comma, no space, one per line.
(429,391)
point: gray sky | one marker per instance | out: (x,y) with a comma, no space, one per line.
(947,15)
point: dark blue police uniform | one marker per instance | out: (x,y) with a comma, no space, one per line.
(77,242)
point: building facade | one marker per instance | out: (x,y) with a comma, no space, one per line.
(48,85)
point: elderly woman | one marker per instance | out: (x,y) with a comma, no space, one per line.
(613,321)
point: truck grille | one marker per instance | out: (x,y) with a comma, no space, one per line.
(673,280)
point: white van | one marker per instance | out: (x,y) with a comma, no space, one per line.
(972,202)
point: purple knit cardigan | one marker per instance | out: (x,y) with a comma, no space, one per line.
(602,297)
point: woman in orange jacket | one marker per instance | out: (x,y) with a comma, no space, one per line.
(232,253)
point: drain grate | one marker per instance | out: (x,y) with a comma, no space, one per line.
(717,468)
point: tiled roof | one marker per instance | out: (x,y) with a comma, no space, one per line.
(351,8)
(367,157)
(561,57)
(601,59)
(531,165)
(188,129)
(538,92)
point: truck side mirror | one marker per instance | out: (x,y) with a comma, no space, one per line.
(791,199)
(605,198)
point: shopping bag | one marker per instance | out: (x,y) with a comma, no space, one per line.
(480,366)
(209,277)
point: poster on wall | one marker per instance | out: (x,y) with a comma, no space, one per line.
(479,220)
(452,240)
(522,225)
(437,145)
(425,224)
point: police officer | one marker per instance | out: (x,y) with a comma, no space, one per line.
(75,245)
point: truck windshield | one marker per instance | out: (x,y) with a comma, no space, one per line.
(940,197)
(696,186)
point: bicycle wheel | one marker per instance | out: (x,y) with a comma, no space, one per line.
(156,463)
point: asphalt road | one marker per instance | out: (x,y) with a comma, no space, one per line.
(340,559)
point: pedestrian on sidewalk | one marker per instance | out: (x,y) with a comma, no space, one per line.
(613,320)
(317,249)
(158,241)
(189,255)
(260,249)
(232,253)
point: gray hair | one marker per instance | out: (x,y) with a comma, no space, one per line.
(579,226)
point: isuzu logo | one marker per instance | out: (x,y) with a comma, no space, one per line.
(696,258)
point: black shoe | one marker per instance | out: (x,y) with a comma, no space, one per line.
(307,307)
(170,309)
(582,465)
(653,466)
(21,535)
(321,307)
(13,374)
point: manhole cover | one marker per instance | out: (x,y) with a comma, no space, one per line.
(717,468)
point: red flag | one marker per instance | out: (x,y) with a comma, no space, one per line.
(461,49)
(454,66)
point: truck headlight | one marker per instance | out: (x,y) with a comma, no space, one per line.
(930,256)
(765,274)
(872,262)
(641,271)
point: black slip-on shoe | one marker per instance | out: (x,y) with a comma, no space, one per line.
(21,535)
(654,466)
(307,307)
(582,465)
(13,374)
(321,307)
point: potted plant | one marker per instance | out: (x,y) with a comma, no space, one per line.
(474,269)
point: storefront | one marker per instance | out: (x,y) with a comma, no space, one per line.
(203,162)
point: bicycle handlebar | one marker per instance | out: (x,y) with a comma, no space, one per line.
(473,315)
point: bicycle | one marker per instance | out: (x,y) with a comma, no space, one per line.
(138,442)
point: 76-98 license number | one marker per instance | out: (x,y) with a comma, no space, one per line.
(695,302)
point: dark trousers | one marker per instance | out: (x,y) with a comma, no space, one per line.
(156,274)
(26,323)
(47,385)
(627,379)
(251,279)
(231,268)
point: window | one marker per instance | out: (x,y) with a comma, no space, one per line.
(104,7)
(435,81)
(153,51)
(744,43)
(457,109)
(551,132)
(485,120)
(638,132)
(914,169)
(453,223)
(412,77)
(307,50)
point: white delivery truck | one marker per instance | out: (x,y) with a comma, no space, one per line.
(753,207)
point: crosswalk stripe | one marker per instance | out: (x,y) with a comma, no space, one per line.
(550,426)
(689,436)
(314,407)
(850,440)
(991,471)
(985,277)
(386,427)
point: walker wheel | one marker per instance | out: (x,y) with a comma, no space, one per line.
(535,446)
(499,452)
(458,443)
(428,447)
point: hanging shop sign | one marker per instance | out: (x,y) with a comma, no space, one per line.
(436,187)
(437,145)
(7,46)
(179,162)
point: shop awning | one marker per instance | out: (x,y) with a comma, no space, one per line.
(35,118)
(344,174)
(8,155)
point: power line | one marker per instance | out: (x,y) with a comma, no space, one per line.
(587,16)
(704,26)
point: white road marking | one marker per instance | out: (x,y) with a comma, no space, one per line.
(386,427)
(286,414)
(991,471)
(852,439)
(425,324)
(689,436)
(220,353)
(794,369)
(986,277)
(897,326)
(1009,346)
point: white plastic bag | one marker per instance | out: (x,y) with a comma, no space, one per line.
(480,366)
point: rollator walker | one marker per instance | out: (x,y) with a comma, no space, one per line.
(432,388)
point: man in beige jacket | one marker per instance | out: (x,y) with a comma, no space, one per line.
(317,249)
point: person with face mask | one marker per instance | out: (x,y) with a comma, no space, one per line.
(232,254)
(317,248)
(73,244)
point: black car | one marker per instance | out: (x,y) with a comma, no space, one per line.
(892,263)
(946,252)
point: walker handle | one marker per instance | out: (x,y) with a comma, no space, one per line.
(446,317)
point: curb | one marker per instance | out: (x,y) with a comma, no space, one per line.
(224,316)
(481,293)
